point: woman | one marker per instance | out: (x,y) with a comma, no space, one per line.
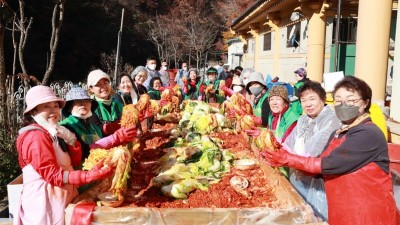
(301,78)
(191,87)
(125,94)
(48,177)
(257,87)
(211,93)
(282,119)
(78,112)
(309,138)
(154,88)
(109,109)
(355,163)
(139,76)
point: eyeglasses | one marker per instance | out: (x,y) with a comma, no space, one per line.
(348,102)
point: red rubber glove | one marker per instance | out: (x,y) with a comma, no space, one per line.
(257,120)
(125,134)
(254,132)
(110,128)
(162,88)
(202,88)
(80,177)
(75,153)
(284,158)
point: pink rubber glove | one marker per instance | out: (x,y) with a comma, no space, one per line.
(119,137)
(80,177)
(254,132)
(284,158)
(227,91)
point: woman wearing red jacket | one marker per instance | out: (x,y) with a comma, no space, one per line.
(355,163)
(46,153)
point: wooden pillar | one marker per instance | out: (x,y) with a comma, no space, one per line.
(373,44)
(395,101)
(315,12)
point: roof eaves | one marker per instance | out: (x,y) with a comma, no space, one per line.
(247,12)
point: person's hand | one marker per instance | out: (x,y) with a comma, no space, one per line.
(66,135)
(185,82)
(125,134)
(98,172)
(109,128)
(202,88)
(254,132)
(275,158)
(284,158)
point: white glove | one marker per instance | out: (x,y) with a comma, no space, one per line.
(293,98)
(66,135)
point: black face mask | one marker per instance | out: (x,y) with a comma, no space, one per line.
(346,113)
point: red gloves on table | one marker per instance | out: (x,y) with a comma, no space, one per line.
(80,177)
(284,158)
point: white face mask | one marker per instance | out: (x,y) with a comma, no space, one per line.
(164,67)
(89,114)
(152,66)
(237,89)
(245,81)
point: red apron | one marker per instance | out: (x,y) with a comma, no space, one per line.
(363,197)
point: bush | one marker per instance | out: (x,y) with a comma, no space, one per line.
(9,168)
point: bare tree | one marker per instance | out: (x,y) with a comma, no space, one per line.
(5,17)
(57,21)
(23,26)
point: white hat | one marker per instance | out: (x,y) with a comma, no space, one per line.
(95,76)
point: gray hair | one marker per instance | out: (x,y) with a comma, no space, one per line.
(137,70)
(248,70)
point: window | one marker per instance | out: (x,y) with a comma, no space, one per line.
(347,30)
(293,35)
(251,45)
(267,42)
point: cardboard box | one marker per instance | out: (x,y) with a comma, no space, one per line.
(14,189)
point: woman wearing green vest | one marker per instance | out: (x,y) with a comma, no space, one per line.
(282,119)
(109,109)
(81,121)
(154,88)
(257,87)
(212,94)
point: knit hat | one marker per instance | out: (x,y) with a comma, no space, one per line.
(255,77)
(301,72)
(212,70)
(41,94)
(76,93)
(95,76)
(281,91)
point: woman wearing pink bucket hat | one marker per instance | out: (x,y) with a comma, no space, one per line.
(45,153)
